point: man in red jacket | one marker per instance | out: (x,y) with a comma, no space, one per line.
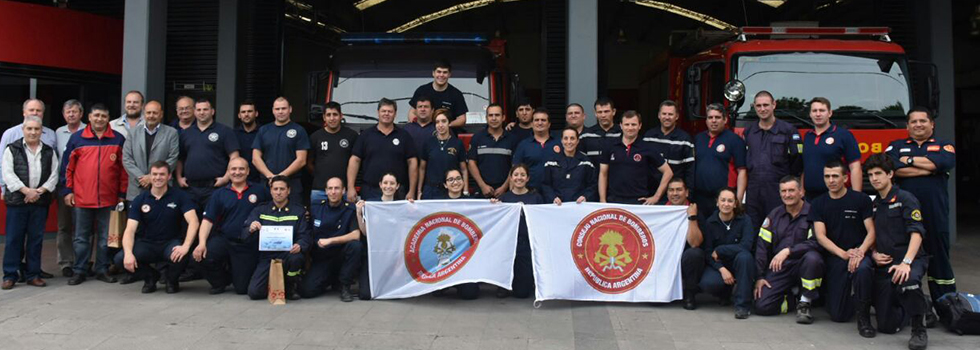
(94,182)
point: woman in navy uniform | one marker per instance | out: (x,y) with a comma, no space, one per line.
(439,154)
(389,188)
(523,285)
(571,176)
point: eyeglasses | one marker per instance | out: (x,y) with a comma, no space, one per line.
(455,179)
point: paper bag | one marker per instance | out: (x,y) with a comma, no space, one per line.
(277,287)
(117,225)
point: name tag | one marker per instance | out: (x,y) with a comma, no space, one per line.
(895,205)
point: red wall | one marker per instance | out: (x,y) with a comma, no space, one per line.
(52,37)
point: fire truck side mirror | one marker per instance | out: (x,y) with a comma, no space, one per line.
(925,94)
(692,92)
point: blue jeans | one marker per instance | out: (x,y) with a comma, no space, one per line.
(24,223)
(85,219)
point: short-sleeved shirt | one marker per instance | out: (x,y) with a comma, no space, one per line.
(450,98)
(245,141)
(160,220)
(534,154)
(420,133)
(594,140)
(716,159)
(774,153)
(834,143)
(205,152)
(380,154)
(677,148)
(843,217)
(440,156)
(227,209)
(897,215)
(521,133)
(279,144)
(331,152)
(329,221)
(493,155)
(631,168)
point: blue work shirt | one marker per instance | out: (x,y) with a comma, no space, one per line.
(930,190)
(774,153)
(834,143)
(279,144)
(716,159)
(843,218)
(441,156)
(727,241)
(380,154)
(227,209)
(594,140)
(896,216)
(245,141)
(493,155)
(330,221)
(534,154)
(569,178)
(420,133)
(631,168)
(160,220)
(205,153)
(268,214)
(677,149)
(782,230)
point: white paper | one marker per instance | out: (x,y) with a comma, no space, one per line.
(275,238)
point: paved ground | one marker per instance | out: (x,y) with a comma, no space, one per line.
(96,315)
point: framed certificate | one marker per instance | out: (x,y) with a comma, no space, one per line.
(275,238)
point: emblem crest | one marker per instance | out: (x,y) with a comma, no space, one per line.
(613,249)
(439,245)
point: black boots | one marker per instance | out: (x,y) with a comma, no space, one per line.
(864,321)
(919,339)
(689,301)
(292,288)
(345,294)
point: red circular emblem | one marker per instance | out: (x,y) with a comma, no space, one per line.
(613,249)
(112,157)
(637,157)
(252,198)
(720,148)
(439,245)
(557,149)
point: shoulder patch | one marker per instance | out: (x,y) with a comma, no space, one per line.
(889,149)
(949,148)
(916,215)
(765,223)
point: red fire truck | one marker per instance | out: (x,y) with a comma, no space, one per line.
(864,75)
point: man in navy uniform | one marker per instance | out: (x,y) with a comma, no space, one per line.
(900,262)
(825,142)
(382,149)
(538,149)
(280,212)
(843,226)
(205,149)
(674,144)
(245,133)
(226,258)
(490,154)
(922,164)
(773,151)
(786,256)
(628,165)
(718,153)
(423,127)
(594,139)
(153,231)
(281,147)
(442,95)
(337,253)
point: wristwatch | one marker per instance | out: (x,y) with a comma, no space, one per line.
(907,261)
(692,218)
(910,160)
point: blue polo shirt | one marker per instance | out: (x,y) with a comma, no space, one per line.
(441,156)
(245,140)
(493,156)
(205,152)
(330,221)
(631,167)
(279,145)
(715,159)
(382,154)
(160,220)
(420,133)
(227,209)
(534,154)
(835,143)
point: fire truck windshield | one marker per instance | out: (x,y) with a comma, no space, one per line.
(358,93)
(866,91)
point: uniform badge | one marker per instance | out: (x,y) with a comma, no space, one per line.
(637,157)
(916,215)
(439,245)
(112,157)
(316,222)
(252,198)
(395,142)
(145,208)
(557,149)
(932,148)
(171,205)
(213,137)
(765,223)
(568,176)
(612,157)
(451,151)
(720,148)
(905,150)
(796,136)
(949,148)
(324,145)
(344,143)
(830,141)
(291,133)
(889,149)
(613,249)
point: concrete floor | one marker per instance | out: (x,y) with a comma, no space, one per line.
(110,316)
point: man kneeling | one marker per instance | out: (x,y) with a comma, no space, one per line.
(278,213)
(151,234)
(338,244)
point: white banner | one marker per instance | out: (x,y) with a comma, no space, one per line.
(607,252)
(417,248)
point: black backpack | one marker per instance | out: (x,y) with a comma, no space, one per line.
(960,312)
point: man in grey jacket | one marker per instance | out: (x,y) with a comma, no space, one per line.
(151,142)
